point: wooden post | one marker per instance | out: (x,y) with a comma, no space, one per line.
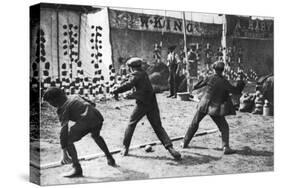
(58,46)
(79,34)
(223,38)
(185,50)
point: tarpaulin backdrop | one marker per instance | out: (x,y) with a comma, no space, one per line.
(74,50)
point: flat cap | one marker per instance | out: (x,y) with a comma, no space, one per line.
(134,62)
(53,93)
(218,65)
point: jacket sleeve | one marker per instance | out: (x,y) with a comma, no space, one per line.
(235,89)
(127,85)
(201,83)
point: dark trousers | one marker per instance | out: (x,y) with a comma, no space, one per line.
(220,122)
(78,131)
(172,82)
(179,80)
(153,116)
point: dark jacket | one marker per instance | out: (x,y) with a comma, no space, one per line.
(78,109)
(192,63)
(143,89)
(217,93)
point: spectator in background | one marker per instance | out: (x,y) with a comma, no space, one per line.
(239,58)
(192,59)
(220,54)
(181,70)
(172,63)
(157,52)
(122,69)
(208,55)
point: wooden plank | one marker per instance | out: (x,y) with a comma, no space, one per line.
(101,154)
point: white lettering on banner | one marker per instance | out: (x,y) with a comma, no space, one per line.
(156,23)
(253,28)
(251,25)
(262,26)
(257,26)
(269,24)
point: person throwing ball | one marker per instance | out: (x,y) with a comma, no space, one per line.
(146,104)
(87,120)
(216,103)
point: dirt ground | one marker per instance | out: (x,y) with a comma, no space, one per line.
(251,135)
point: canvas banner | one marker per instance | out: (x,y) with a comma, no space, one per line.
(96,39)
(74,50)
(157,23)
(48,44)
(249,28)
(68,44)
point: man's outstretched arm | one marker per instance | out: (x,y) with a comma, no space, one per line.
(126,86)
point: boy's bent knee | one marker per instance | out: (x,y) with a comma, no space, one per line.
(131,125)
(194,125)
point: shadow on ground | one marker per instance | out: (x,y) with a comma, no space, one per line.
(186,160)
(247,151)
(122,174)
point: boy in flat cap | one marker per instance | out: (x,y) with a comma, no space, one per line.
(87,120)
(216,94)
(146,104)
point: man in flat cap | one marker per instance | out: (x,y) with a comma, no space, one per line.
(215,102)
(172,62)
(146,104)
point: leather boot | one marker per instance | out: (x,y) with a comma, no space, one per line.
(111,161)
(174,153)
(228,151)
(75,172)
(169,96)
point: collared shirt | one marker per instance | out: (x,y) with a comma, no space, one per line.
(172,60)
